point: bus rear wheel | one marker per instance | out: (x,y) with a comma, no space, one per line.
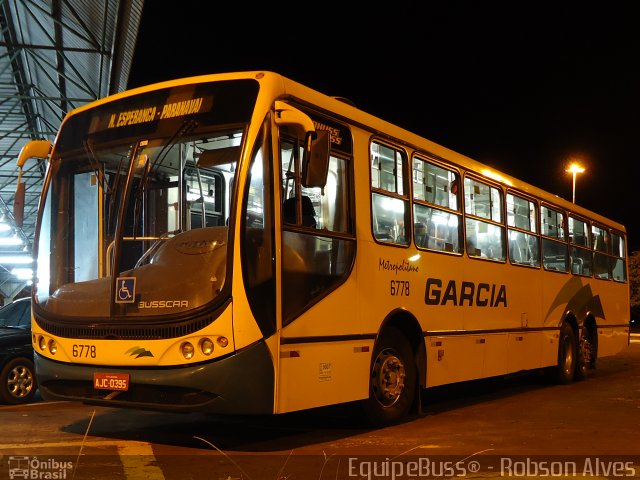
(392,381)
(567,355)
(586,354)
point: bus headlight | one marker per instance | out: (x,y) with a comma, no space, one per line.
(206,345)
(223,341)
(187,350)
(53,347)
(42,343)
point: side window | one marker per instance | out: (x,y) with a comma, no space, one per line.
(483,222)
(389,202)
(522,220)
(436,211)
(554,248)
(552,223)
(580,252)
(600,239)
(618,257)
(318,242)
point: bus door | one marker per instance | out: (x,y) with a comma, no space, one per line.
(320,362)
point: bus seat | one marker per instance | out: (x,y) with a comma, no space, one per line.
(420,232)
(308,212)
(515,252)
(577,265)
(289,210)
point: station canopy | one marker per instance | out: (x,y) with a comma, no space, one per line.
(55,55)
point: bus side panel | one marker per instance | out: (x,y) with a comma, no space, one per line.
(550,340)
(455,358)
(324,373)
(612,340)
(496,354)
(613,330)
(584,297)
(525,351)
(320,363)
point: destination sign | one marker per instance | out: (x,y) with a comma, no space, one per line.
(172,108)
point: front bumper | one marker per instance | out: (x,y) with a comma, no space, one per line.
(242,383)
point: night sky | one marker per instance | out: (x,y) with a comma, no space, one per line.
(521,86)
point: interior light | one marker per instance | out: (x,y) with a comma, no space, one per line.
(194,197)
(14,240)
(22,273)
(16,259)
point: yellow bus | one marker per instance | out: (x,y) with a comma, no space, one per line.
(243,244)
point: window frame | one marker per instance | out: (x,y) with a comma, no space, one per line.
(490,221)
(526,232)
(398,235)
(556,240)
(441,246)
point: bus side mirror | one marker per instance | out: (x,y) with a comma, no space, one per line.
(33,149)
(315,162)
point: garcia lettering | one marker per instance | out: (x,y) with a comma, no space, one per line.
(464,294)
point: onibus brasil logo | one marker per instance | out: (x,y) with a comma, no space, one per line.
(36,468)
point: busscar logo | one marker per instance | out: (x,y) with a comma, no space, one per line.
(163,304)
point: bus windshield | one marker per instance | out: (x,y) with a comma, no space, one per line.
(139,195)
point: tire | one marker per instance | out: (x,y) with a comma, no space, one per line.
(392,381)
(18,381)
(565,371)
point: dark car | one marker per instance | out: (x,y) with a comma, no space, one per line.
(17,375)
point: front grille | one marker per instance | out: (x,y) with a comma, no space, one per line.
(125,332)
(132,330)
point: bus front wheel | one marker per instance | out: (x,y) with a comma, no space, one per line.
(567,355)
(392,381)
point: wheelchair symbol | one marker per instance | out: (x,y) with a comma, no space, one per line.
(125,289)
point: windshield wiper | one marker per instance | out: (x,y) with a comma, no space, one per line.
(184,128)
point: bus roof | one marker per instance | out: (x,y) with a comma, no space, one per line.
(285,87)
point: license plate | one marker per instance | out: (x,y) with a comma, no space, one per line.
(111,381)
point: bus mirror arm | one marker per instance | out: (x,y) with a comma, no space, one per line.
(288,115)
(33,149)
(315,162)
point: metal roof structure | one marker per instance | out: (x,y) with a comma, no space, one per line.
(55,55)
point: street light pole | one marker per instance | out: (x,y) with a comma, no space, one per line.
(574,169)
